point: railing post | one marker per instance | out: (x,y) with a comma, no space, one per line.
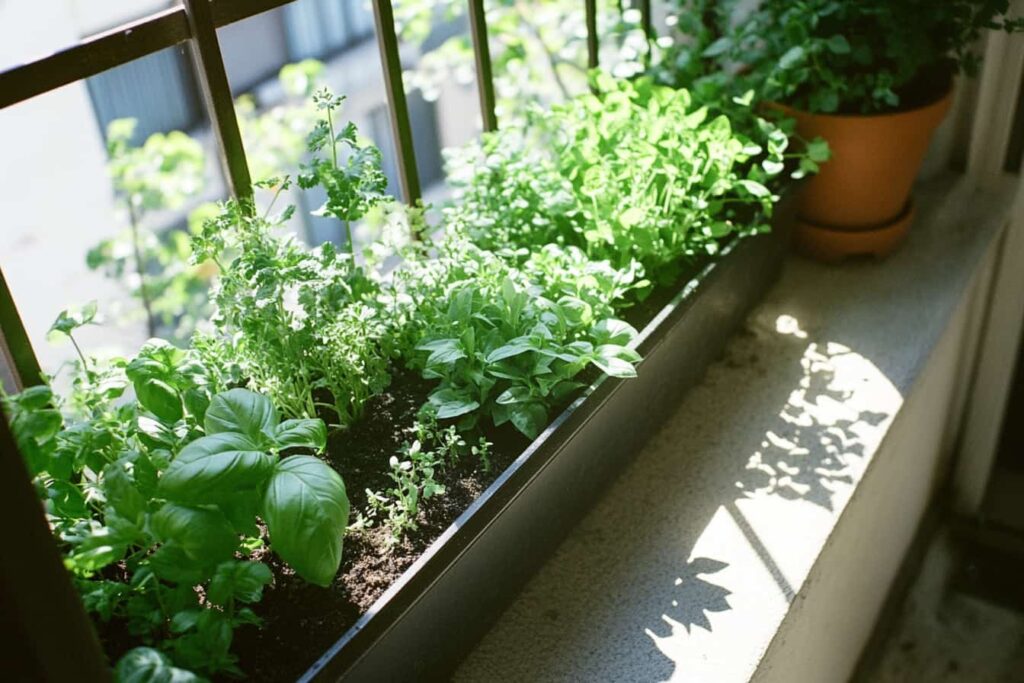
(484,74)
(646,22)
(55,638)
(401,127)
(591,12)
(14,342)
(220,106)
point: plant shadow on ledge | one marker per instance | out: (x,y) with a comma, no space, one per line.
(184,486)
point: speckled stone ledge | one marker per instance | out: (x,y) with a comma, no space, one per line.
(686,568)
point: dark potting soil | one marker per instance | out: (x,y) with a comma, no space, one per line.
(301,620)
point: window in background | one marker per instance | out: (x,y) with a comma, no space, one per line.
(159,90)
(254,49)
(319,28)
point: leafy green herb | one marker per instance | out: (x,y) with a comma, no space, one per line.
(854,57)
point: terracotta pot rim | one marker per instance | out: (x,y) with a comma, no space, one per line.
(941,103)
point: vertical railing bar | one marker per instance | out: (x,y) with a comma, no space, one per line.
(38,596)
(592,46)
(220,106)
(25,368)
(484,72)
(646,23)
(398,107)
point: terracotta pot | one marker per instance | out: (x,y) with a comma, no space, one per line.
(860,200)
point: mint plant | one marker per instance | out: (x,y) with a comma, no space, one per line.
(828,56)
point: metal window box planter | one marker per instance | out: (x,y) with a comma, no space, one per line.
(423,625)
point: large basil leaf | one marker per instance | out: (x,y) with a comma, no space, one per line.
(301,434)
(214,466)
(306,511)
(241,410)
(146,665)
(204,533)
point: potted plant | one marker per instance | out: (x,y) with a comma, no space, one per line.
(852,73)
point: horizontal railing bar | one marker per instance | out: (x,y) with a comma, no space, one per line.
(93,55)
(229,11)
(121,45)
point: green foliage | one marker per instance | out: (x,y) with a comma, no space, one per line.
(275,139)
(639,175)
(538,49)
(348,170)
(853,57)
(296,323)
(164,492)
(502,349)
(158,175)
(413,471)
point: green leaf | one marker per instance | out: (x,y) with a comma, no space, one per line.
(451,403)
(170,563)
(616,367)
(306,511)
(71,319)
(203,533)
(121,493)
(824,101)
(159,398)
(791,57)
(720,46)
(34,398)
(514,395)
(443,351)
(838,44)
(617,351)
(529,418)
(515,347)
(818,150)
(301,434)
(241,410)
(240,581)
(755,188)
(632,216)
(213,466)
(146,665)
(611,331)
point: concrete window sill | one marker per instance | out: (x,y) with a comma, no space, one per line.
(755,536)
